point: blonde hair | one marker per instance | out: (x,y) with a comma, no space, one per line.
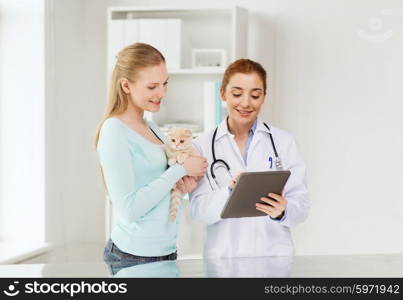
(129,62)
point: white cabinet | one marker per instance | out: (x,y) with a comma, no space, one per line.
(163,34)
(180,34)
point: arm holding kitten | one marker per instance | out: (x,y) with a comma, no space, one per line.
(180,150)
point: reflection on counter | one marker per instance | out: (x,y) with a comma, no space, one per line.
(270,266)
(263,267)
(379,265)
(160,269)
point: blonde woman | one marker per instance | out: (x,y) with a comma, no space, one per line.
(133,162)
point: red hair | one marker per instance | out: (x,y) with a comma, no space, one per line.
(244,66)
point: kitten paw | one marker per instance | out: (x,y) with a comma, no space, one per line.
(172,218)
(171,161)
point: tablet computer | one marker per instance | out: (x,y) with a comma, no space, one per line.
(251,186)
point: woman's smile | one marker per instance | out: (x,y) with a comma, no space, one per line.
(155,102)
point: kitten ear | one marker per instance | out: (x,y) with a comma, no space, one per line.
(188,132)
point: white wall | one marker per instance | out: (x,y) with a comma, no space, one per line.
(22,196)
(75,202)
(340,92)
(334,88)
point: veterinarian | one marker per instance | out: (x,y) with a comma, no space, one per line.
(244,143)
(134,164)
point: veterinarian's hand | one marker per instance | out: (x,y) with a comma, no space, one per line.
(273,208)
(186,184)
(195,166)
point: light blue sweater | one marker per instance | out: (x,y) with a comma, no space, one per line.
(139,185)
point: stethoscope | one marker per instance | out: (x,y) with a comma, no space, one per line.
(278,164)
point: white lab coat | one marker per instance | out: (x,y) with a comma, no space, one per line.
(255,236)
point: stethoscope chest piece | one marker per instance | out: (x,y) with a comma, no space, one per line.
(279,164)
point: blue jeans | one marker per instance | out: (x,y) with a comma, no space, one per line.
(116,259)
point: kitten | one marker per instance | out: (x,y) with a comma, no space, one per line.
(178,149)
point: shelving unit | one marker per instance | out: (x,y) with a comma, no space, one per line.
(216,71)
(200,28)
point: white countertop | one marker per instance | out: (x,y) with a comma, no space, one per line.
(390,265)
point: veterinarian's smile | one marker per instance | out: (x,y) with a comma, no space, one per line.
(244,113)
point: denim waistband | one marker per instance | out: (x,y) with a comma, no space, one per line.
(113,248)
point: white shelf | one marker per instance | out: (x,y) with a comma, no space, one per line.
(121,12)
(217,71)
(198,30)
(195,134)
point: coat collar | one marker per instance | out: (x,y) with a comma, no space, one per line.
(223,128)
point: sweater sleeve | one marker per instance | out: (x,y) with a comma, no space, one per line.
(117,166)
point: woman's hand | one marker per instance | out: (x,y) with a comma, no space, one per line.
(234,181)
(195,165)
(186,184)
(273,208)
